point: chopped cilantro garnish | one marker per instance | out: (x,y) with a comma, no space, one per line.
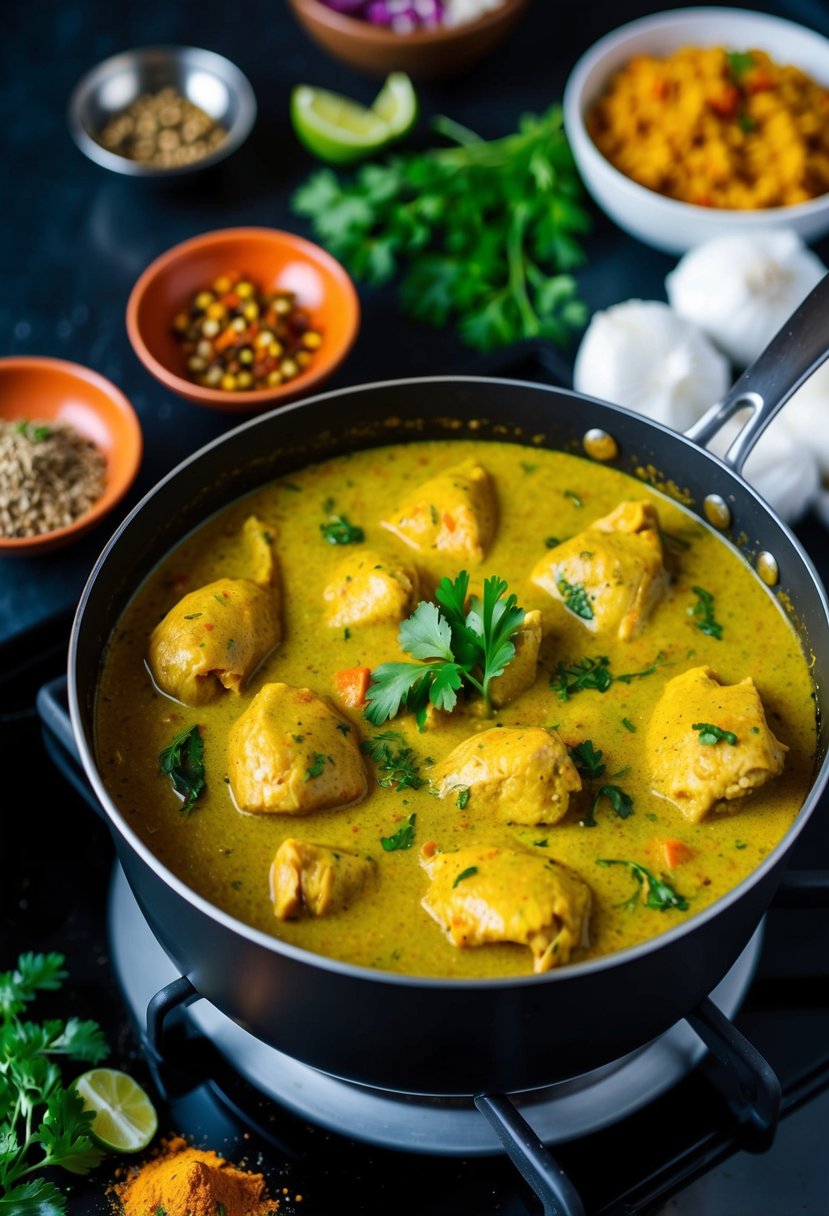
(575,598)
(587,759)
(183,763)
(464,874)
(621,802)
(660,895)
(713,734)
(403,838)
(395,761)
(703,613)
(339,531)
(316,766)
(463,797)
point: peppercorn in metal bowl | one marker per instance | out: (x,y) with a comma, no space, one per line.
(160,112)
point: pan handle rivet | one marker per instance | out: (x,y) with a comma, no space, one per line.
(717,511)
(768,568)
(599,445)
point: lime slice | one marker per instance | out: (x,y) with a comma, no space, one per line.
(396,104)
(334,128)
(125,1119)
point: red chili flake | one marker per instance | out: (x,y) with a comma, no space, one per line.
(209,627)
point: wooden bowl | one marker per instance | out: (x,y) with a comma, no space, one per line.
(423,54)
(33,388)
(273,260)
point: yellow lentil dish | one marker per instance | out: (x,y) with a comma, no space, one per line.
(649,739)
(717,128)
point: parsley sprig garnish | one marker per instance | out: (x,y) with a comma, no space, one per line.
(484,233)
(42,1124)
(587,759)
(454,646)
(396,762)
(711,734)
(183,763)
(659,895)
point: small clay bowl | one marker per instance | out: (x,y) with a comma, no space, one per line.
(34,388)
(273,260)
(424,53)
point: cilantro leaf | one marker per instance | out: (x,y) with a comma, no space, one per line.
(403,838)
(575,598)
(339,531)
(703,613)
(34,973)
(457,646)
(714,734)
(64,1133)
(482,234)
(660,895)
(394,759)
(621,803)
(587,759)
(34,1198)
(183,763)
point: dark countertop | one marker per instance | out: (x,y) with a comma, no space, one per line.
(74,240)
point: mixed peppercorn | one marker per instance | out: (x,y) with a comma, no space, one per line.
(239,338)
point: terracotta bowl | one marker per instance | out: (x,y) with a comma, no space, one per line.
(273,260)
(424,54)
(33,388)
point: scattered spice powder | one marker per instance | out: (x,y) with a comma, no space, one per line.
(185,1181)
(162,129)
(50,475)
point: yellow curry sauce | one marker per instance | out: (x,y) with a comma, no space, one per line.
(226,855)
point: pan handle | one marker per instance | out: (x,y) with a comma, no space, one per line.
(790,358)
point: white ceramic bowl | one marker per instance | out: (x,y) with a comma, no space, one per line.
(664,222)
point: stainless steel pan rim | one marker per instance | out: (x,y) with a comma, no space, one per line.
(275,945)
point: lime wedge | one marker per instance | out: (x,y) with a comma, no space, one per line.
(396,104)
(125,1119)
(334,128)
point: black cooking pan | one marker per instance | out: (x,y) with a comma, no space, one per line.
(445,1036)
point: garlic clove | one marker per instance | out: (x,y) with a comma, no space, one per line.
(641,355)
(740,290)
(807,416)
(781,466)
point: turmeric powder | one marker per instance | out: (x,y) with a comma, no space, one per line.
(186,1181)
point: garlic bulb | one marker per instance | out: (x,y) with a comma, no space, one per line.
(781,467)
(641,355)
(740,290)
(806,415)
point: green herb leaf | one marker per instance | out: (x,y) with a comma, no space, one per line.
(339,531)
(621,803)
(403,838)
(713,734)
(315,767)
(395,760)
(586,673)
(628,725)
(183,763)
(463,797)
(457,647)
(552,542)
(660,895)
(739,63)
(480,233)
(703,613)
(587,759)
(575,598)
(541,844)
(464,874)
(574,498)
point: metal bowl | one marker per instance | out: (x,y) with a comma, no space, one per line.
(203,77)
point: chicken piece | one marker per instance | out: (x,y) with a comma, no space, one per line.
(519,675)
(367,587)
(453,513)
(480,895)
(612,575)
(316,878)
(699,776)
(217,636)
(524,775)
(290,752)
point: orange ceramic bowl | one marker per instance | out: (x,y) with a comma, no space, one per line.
(425,53)
(54,390)
(272,260)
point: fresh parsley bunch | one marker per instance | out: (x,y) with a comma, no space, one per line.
(455,646)
(484,233)
(41,1123)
